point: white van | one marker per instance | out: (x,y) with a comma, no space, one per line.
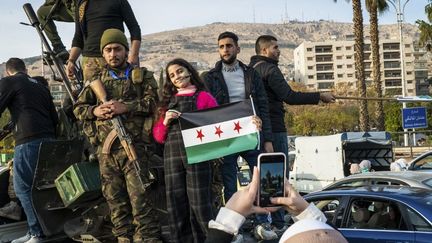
(321,160)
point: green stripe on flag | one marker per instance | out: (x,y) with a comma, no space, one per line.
(213,150)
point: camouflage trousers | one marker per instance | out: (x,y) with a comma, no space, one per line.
(132,213)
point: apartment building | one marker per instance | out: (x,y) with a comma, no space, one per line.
(321,65)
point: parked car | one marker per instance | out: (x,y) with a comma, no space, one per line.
(422,162)
(403,178)
(378,213)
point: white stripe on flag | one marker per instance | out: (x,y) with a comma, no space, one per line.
(191,137)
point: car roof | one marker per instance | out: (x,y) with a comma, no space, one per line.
(412,178)
(406,194)
(408,175)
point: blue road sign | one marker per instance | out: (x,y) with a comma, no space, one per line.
(414,118)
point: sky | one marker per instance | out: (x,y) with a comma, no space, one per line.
(18,40)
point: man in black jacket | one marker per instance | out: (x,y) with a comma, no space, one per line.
(279,92)
(92,18)
(232,81)
(32,110)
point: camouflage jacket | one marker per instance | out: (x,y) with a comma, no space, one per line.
(139,118)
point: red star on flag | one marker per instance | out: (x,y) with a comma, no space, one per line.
(200,134)
(218,131)
(237,126)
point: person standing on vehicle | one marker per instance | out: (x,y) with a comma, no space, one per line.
(92,18)
(32,110)
(132,213)
(265,62)
(231,81)
(61,10)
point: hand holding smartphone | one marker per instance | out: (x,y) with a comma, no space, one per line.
(272,178)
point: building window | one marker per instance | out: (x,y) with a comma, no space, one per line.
(310,58)
(392,64)
(409,81)
(339,57)
(321,49)
(393,82)
(324,67)
(326,85)
(308,49)
(407,45)
(338,48)
(340,75)
(339,66)
(391,46)
(349,75)
(348,57)
(349,66)
(348,48)
(410,90)
(407,54)
(324,58)
(310,77)
(325,76)
(310,67)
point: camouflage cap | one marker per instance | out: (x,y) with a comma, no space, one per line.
(113,36)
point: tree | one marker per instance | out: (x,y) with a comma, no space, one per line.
(359,63)
(373,7)
(426,28)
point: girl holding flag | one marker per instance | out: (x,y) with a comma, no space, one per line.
(188,186)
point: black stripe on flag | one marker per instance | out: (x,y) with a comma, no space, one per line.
(217,114)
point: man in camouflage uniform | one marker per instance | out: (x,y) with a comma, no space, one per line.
(62,10)
(131,211)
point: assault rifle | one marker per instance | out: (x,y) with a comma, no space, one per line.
(119,132)
(50,56)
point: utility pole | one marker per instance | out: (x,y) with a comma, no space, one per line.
(400,19)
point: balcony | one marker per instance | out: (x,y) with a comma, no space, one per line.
(323,49)
(324,58)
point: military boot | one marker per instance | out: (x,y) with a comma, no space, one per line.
(61,52)
(11,211)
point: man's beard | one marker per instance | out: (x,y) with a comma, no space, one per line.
(230,61)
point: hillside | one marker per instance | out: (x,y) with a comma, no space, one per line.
(199,45)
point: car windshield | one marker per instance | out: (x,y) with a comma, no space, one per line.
(424,163)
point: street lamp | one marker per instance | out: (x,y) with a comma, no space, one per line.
(400,19)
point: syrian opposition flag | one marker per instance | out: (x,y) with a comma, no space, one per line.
(216,132)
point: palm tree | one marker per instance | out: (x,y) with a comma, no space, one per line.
(426,28)
(359,62)
(373,7)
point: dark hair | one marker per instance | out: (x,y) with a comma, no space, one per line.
(263,40)
(228,34)
(169,89)
(15,64)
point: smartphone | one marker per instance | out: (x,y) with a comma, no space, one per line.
(272,178)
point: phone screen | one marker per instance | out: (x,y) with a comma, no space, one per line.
(271,178)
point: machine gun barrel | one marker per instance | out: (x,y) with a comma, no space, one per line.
(34,21)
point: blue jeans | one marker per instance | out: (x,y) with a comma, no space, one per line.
(25,161)
(280,144)
(229,174)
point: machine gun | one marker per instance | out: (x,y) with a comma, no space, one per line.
(50,56)
(119,132)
